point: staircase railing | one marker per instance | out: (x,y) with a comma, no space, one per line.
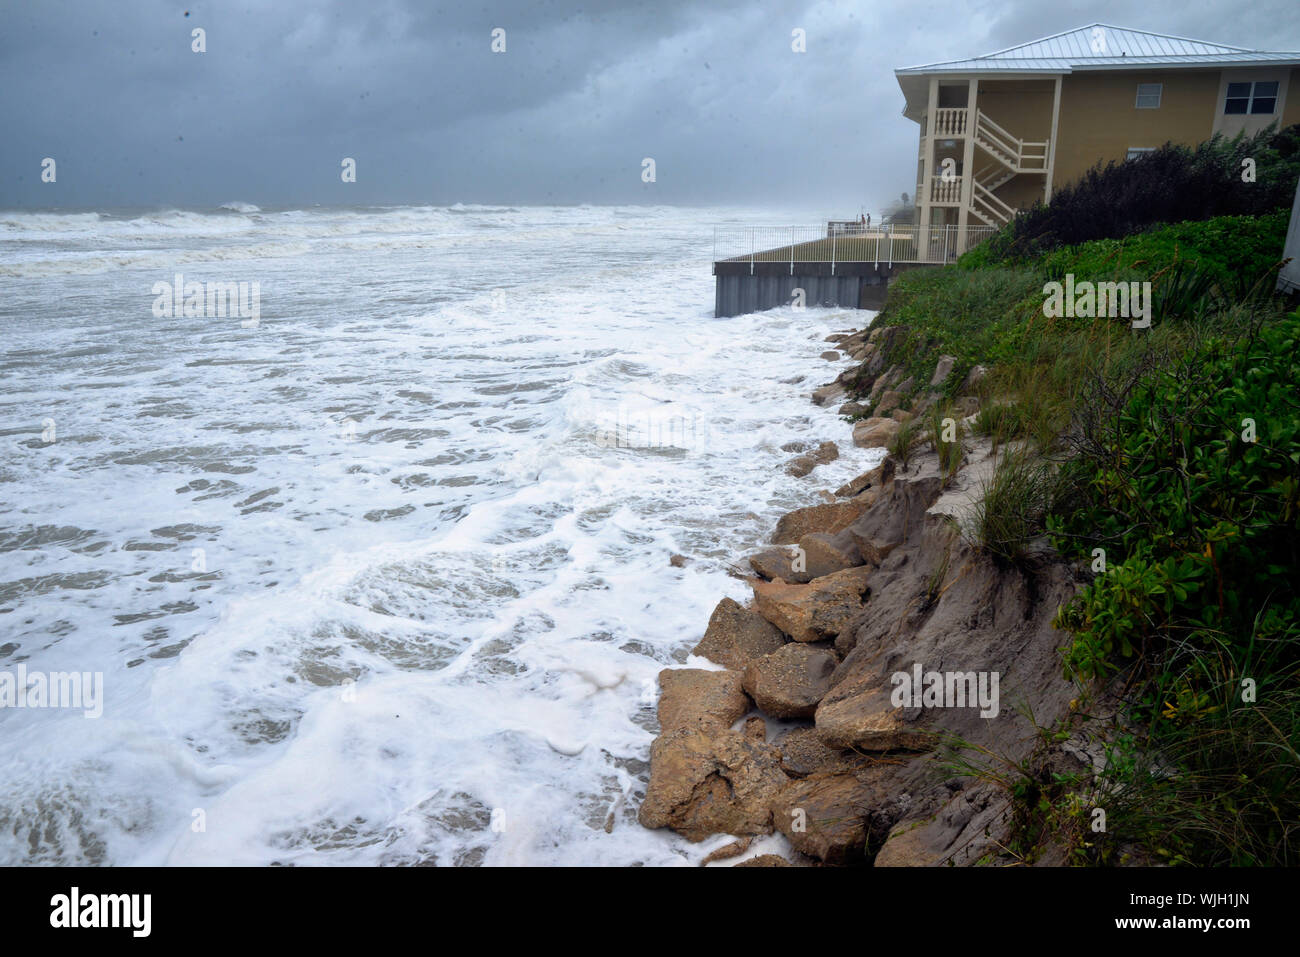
(993,208)
(1025,155)
(991,177)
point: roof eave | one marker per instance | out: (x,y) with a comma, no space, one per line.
(967,69)
(1282,59)
(1187,65)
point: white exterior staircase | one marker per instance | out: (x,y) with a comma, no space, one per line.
(1012,156)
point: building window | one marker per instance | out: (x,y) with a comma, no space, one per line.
(1265,99)
(1148,97)
(1135,151)
(1256,98)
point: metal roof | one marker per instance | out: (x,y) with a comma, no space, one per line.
(1100,46)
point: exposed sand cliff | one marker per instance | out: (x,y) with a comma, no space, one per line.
(849,595)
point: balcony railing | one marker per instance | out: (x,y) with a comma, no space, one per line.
(945,191)
(950,122)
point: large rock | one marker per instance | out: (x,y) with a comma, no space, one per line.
(970,826)
(829,394)
(942,369)
(872,360)
(832,816)
(829,518)
(815,556)
(817,611)
(889,400)
(875,432)
(776,563)
(825,452)
(737,635)
(707,780)
(766,860)
(827,554)
(855,341)
(688,696)
(803,753)
(880,476)
(790,681)
(858,713)
(886,381)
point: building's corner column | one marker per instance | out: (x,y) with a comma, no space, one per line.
(923,201)
(968,164)
(1051,142)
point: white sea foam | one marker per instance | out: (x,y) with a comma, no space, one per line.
(366,583)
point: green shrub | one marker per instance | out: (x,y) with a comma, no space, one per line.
(1195,485)
(1213,781)
(1236,251)
(1173,184)
(994,316)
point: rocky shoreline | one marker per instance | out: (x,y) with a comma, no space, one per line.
(805,727)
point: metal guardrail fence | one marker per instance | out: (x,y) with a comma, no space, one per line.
(843,227)
(874,244)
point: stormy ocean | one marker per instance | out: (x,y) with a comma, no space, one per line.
(375,567)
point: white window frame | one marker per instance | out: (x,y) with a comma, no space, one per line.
(1149,90)
(1135,151)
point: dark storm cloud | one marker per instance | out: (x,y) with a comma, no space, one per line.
(711,91)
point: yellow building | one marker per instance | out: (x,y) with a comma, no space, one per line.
(998,132)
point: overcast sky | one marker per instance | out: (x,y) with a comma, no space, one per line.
(711,90)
